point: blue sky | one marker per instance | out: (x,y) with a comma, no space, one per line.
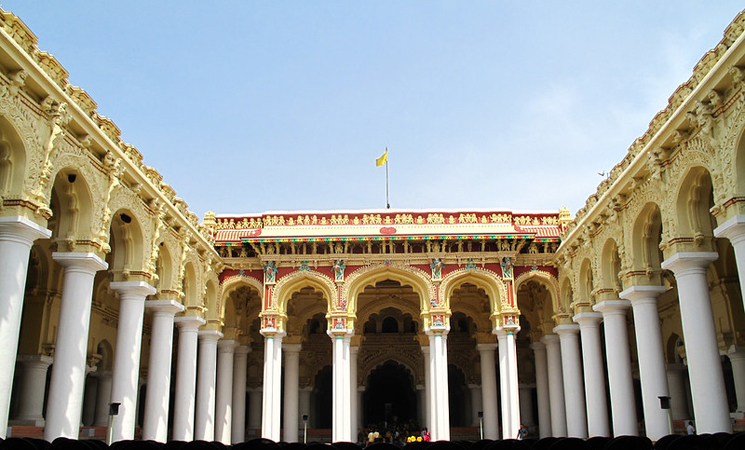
(251,106)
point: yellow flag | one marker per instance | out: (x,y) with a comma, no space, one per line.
(383,159)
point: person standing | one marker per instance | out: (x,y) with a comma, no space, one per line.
(689,428)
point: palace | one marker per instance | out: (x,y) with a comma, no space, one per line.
(624,320)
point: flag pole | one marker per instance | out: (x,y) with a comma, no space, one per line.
(387,203)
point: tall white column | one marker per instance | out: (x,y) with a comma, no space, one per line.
(555,385)
(477,404)
(542,391)
(31,388)
(489,390)
(255,397)
(124,386)
(292,379)
(574,394)
(617,354)
(157,395)
(427,388)
(676,376)
(240,366)
(272,390)
(17,235)
(439,394)
(304,402)
(186,377)
(103,397)
(509,382)
(651,356)
(341,428)
(204,419)
(594,373)
(65,402)
(734,230)
(527,413)
(354,394)
(708,392)
(224,395)
(737,359)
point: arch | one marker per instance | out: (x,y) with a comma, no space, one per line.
(646,257)
(548,280)
(694,200)
(128,244)
(739,157)
(610,267)
(189,286)
(404,274)
(12,160)
(292,282)
(211,299)
(485,279)
(232,284)
(567,296)
(164,270)
(585,287)
(72,205)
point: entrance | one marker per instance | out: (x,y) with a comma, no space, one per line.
(390,398)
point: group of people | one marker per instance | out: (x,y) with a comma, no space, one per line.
(397,434)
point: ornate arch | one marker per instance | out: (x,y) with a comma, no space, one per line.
(31,128)
(372,360)
(357,280)
(236,281)
(483,278)
(550,281)
(297,279)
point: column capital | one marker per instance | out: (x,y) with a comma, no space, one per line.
(20,228)
(189,322)
(242,350)
(684,263)
(292,348)
(35,360)
(209,335)
(164,307)
(588,319)
(79,260)
(226,345)
(612,307)
(538,346)
(506,331)
(271,333)
(132,288)
(550,339)
(486,347)
(566,329)
(641,292)
(732,229)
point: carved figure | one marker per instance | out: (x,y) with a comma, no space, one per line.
(270,272)
(339,270)
(506,267)
(436,267)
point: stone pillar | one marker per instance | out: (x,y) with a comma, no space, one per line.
(676,375)
(509,384)
(103,397)
(127,355)
(157,395)
(421,401)
(489,390)
(734,230)
(89,399)
(240,367)
(304,402)
(186,377)
(708,392)
(224,395)
(292,379)
(555,385)
(617,354)
(592,360)
(204,418)
(527,413)
(427,388)
(31,389)
(574,394)
(354,395)
(272,394)
(542,389)
(651,356)
(438,357)
(255,397)
(477,405)
(17,235)
(341,430)
(65,400)
(737,359)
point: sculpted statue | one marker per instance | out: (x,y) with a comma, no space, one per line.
(507,267)
(270,272)
(436,267)
(339,270)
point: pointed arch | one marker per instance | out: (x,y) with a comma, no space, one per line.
(545,278)
(369,275)
(482,278)
(292,282)
(231,284)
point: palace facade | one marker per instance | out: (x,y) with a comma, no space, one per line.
(112,291)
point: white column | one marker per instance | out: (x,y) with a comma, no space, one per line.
(489,390)
(676,375)
(651,356)
(65,400)
(103,397)
(737,359)
(31,388)
(204,419)
(574,394)
(127,355)
(240,366)
(734,230)
(224,395)
(292,379)
(477,405)
(594,373)
(527,413)
(157,395)
(186,377)
(509,382)
(555,385)
(354,395)
(618,357)
(708,392)
(272,390)
(341,428)
(542,391)
(255,397)
(89,399)
(304,402)
(427,388)
(17,235)
(439,366)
